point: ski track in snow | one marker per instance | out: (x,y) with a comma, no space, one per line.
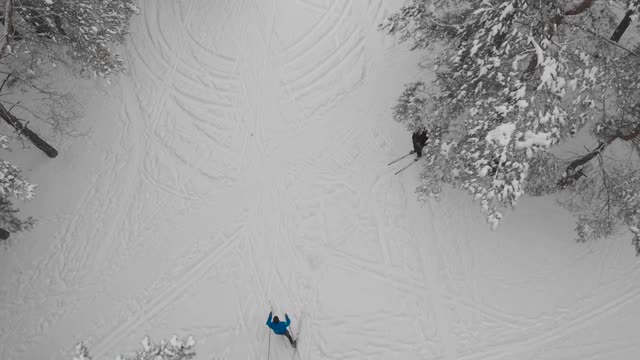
(244,166)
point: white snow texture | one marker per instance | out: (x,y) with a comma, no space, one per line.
(242,163)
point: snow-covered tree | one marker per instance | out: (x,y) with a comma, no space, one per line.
(514,80)
(174,349)
(38,35)
(12,185)
(39,29)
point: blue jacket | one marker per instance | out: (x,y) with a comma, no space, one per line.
(281,327)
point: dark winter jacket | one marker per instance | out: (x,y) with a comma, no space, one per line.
(281,327)
(419,139)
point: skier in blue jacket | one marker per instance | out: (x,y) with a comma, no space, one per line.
(280,328)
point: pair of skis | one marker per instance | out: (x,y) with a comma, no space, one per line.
(406,166)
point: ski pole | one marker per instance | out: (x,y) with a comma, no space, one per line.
(400,158)
(404,168)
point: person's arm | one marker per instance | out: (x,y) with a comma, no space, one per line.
(269,319)
(286,317)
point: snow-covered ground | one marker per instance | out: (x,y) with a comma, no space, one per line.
(244,162)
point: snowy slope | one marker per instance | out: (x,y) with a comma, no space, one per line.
(242,163)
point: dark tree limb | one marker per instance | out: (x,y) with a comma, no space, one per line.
(531,67)
(624,24)
(585,159)
(22,129)
(628,137)
(622,27)
(572,175)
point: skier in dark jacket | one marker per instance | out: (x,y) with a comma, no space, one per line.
(280,328)
(419,139)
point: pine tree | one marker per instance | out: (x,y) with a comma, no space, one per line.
(513,81)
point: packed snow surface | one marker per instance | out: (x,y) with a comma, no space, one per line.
(242,163)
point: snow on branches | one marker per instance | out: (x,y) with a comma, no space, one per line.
(82,353)
(605,201)
(85,28)
(636,238)
(174,349)
(13,185)
(513,78)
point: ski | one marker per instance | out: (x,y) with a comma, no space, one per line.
(396,160)
(297,336)
(407,166)
(295,350)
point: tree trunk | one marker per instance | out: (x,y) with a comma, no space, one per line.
(4,234)
(624,24)
(622,27)
(22,129)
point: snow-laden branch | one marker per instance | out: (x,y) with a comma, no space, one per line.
(538,49)
(174,349)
